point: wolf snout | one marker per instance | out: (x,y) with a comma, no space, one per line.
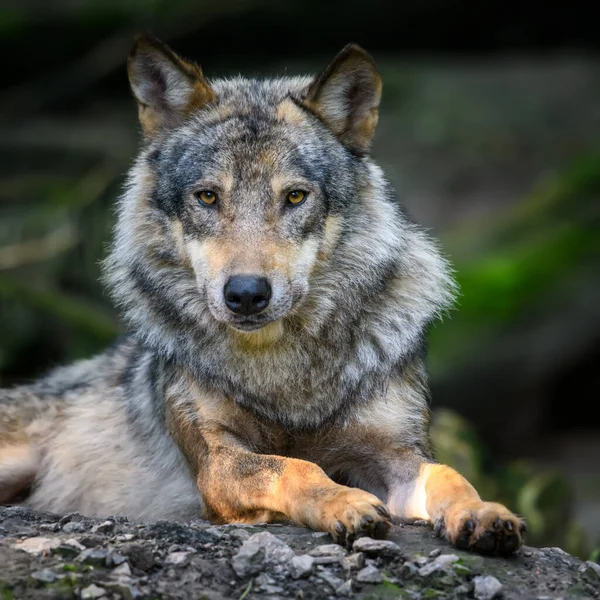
(247,294)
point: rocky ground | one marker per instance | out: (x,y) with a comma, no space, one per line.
(48,556)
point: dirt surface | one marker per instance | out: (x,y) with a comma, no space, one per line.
(48,556)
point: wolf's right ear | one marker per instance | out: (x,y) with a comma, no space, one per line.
(166,87)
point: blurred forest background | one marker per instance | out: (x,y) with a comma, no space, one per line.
(490,132)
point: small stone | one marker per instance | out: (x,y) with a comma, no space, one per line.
(421,561)
(301,566)
(327,560)
(45,576)
(105,527)
(74,516)
(139,557)
(329,550)
(37,545)
(249,560)
(554,550)
(125,537)
(49,527)
(126,588)
(526,553)
(123,569)
(66,551)
(435,553)
(240,534)
(330,579)
(93,556)
(373,547)
(320,534)
(369,574)
(353,561)
(442,563)
(345,589)
(178,558)
(486,587)
(263,580)
(91,592)
(74,527)
(91,540)
(408,570)
(462,590)
(114,559)
(591,570)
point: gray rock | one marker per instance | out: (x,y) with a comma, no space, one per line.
(249,560)
(121,570)
(74,527)
(345,589)
(373,547)
(354,561)
(443,563)
(329,550)
(45,576)
(91,592)
(591,570)
(369,574)
(105,527)
(126,587)
(331,580)
(408,570)
(93,556)
(435,553)
(486,587)
(239,534)
(139,556)
(301,566)
(258,550)
(178,558)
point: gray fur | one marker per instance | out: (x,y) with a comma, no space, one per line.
(353,319)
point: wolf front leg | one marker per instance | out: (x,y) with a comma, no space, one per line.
(439,494)
(240,486)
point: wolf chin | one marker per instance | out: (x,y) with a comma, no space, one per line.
(277,298)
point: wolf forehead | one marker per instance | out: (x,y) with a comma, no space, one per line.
(255,132)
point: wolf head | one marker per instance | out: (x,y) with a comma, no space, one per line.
(254,172)
(255,219)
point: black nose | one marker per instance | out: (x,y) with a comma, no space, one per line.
(247,294)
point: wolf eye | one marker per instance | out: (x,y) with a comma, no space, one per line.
(296,197)
(206,197)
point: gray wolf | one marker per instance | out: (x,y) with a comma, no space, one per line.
(277,300)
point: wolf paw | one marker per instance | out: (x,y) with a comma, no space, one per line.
(352,513)
(485,527)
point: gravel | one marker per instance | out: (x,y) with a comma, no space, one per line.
(113,558)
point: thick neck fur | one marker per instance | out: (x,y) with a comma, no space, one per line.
(377,284)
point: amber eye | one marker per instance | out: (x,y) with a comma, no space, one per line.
(206,197)
(296,196)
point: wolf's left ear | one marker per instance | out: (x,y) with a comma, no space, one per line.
(166,87)
(346,97)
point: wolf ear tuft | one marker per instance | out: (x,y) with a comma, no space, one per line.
(166,87)
(346,97)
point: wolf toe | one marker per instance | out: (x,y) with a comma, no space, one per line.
(486,527)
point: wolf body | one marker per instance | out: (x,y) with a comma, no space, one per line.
(277,299)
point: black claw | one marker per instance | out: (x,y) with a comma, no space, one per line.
(509,526)
(439,527)
(366,519)
(383,511)
(498,523)
(523,527)
(469,526)
(340,527)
